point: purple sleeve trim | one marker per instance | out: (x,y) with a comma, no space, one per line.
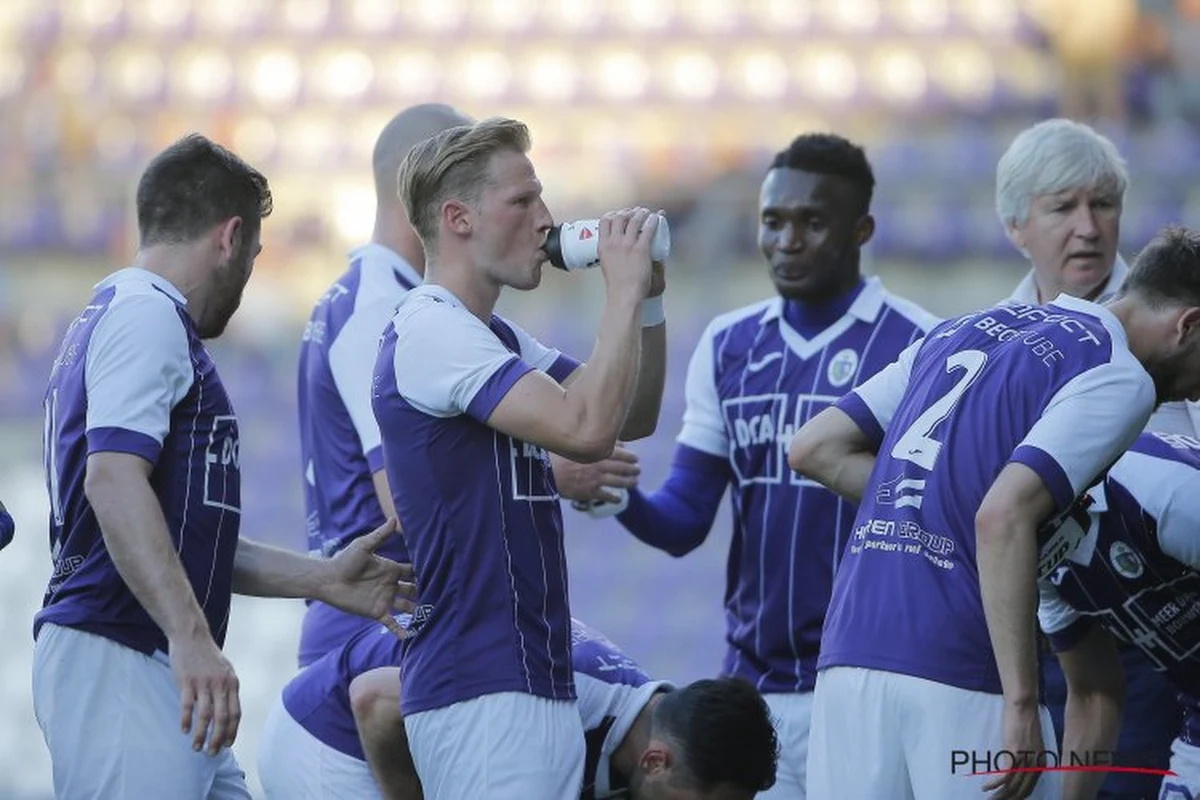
(1049,470)
(562,368)
(857,409)
(1069,636)
(493,390)
(375,459)
(120,440)
(7,529)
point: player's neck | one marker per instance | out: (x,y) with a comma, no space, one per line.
(810,316)
(625,757)
(469,285)
(182,265)
(396,235)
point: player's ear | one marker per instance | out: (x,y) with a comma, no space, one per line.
(456,216)
(864,229)
(655,759)
(1187,325)
(229,237)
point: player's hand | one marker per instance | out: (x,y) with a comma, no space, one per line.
(370,585)
(624,248)
(1022,734)
(590,482)
(208,692)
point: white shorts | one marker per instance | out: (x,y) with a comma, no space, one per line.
(295,765)
(110,718)
(889,736)
(792,713)
(1185,763)
(499,747)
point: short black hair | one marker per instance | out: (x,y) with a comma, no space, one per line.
(1168,269)
(193,185)
(724,730)
(830,154)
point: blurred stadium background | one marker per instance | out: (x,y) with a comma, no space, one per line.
(674,103)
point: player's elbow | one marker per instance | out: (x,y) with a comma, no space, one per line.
(810,454)
(997,520)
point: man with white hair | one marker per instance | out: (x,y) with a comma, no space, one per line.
(1060,191)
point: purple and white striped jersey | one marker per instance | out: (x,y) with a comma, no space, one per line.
(752,382)
(480,509)
(1052,387)
(613,690)
(1137,571)
(132,376)
(339,438)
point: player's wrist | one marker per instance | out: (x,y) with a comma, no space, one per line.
(653,311)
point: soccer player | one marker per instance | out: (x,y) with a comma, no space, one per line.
(712,738)
(7,527)
(1060,191)
(141,452)
(757,374)
(1135,578)
(985,430)
(345,486)
(467,405)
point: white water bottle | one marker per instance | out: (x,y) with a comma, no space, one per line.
(575,245)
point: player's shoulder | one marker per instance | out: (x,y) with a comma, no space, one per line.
(911,312)
(142,304)
(746,318)
(429,303)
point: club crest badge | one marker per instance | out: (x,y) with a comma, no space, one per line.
(1126,561)
(842,367)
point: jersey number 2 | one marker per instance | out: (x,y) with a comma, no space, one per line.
(917,444)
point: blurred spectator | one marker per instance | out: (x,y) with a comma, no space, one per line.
(1171,45)
(1092,40)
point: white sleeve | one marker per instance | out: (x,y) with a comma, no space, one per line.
(1179,521)
(703,422)
(449,363)
(536,354)
(138,366)
(1054,613)
(352,361)
(1113,401)
(882,392)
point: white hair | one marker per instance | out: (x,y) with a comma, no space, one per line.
(1053,156)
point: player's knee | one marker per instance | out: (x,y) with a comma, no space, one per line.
(375,698)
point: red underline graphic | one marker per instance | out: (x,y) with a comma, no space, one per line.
(1096,768)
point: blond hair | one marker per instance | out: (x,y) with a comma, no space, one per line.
(453,165)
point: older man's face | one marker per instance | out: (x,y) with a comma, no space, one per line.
(1071,237)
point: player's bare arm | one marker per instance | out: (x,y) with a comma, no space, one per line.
(383,493)
(831,449)
(1006,551)
(652,373)
(1095,706)
(594,482)
(583,420)
(355,580)
(135,534)
(375,701)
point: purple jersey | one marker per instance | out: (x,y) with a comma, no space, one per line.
(752,382)
(132,376)
(1137,571)
(613,690)
(480,509)
(1012,383)
(339,438)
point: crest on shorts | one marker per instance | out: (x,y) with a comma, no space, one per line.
(842,367)
(1126,561)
